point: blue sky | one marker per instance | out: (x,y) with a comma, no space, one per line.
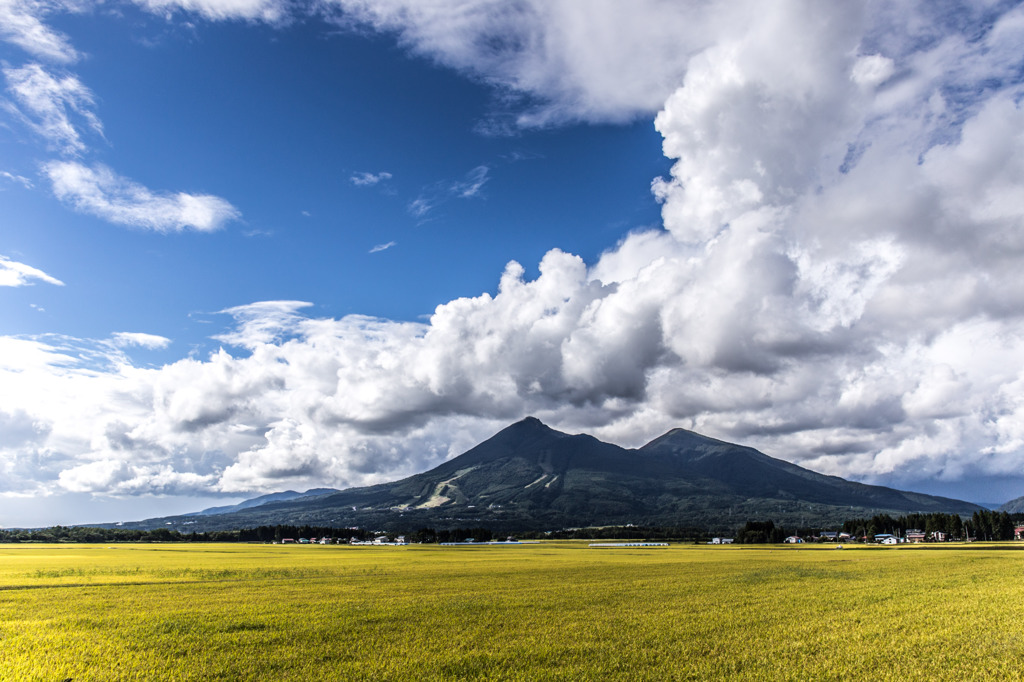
(250,245)
(279,122)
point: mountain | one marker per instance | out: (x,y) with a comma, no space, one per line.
(529,476)
(1014,506)
(286,496)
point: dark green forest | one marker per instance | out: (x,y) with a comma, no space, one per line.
(982,525)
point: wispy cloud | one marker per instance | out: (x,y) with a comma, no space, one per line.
(270,11)
(149,341)
(48,102)
(261,322)
(21,25)
(382,247)
(59,108)
(421,206)
(15,274)
(471,185)
(20,179)
(521,155)
(366,179)
(468,187)
(100,192)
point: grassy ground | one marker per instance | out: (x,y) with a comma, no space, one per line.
(532,612)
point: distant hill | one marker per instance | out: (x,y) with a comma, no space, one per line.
(531,477)
(286,496)
(1014,506)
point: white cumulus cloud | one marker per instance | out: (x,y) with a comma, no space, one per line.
(837,281)
(595,61)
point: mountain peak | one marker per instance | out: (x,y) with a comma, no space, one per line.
(531,421)
(679,440)
(528,427)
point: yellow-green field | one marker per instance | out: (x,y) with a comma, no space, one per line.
(532,612)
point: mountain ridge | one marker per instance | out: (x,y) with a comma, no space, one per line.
(529,476)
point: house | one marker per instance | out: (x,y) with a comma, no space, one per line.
(793,539)
(721,541)
(916,535)
(887,539)
(828,536)
(380,540)
(288,541)
(1018,533)
(940,536)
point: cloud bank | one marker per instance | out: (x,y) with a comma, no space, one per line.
(838,280)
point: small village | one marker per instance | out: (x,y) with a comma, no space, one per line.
(911,536)
(385,540)
(378,541)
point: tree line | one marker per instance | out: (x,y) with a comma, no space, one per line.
(266,534)
(982,525)
(95,534)
(278,533)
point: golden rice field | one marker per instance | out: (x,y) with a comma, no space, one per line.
(557,611)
